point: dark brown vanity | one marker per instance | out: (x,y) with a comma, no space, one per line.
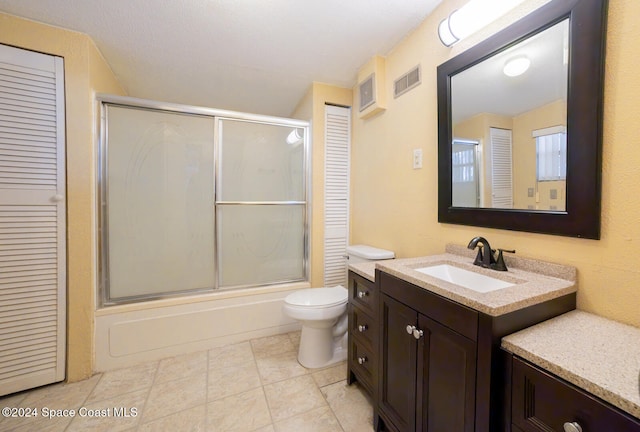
(428,352)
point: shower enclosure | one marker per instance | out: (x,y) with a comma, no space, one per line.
(195,200)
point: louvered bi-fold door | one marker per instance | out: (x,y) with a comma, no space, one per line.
(336,194)
(32,220)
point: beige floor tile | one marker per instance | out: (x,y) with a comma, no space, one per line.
(183,366)
(317,420)
(174,396)
(61,396)
(268,428)
(119,414)
(191,420)
(244,412)
(330,375)
(295,339)
(230,355)
(121,381)
(58,424)
(232,380)
(292,397)
(280,367)
(55,396)
(272,345)
(350,405)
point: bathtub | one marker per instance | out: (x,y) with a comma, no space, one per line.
(126,335)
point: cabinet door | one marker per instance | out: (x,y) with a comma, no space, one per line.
(398,355)
(447,373)
(542,402)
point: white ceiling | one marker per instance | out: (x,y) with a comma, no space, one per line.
(484,88)
(246,55)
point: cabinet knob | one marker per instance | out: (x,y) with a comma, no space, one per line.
(362,360)
(363,294)
(362,328)
(418,333)
(572,427)
(410,329)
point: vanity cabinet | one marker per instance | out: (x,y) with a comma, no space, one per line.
(542,402)
(362,359)
(422,357)
(440,367)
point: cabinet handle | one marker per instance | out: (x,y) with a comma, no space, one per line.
(362,328)
(362,360)
(363,294)
(410,329)
(572,427)
(418,333)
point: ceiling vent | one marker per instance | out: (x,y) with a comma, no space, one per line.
(367,93)
(407,81)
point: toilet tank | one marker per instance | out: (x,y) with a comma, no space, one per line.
(364,253)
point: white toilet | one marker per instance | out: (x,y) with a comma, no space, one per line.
(323,313)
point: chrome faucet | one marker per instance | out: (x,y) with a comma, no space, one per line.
(485,257)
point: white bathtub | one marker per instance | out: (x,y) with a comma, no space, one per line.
(136,333)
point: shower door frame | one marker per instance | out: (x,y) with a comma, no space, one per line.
(216,115)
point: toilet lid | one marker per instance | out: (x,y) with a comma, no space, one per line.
(318,297)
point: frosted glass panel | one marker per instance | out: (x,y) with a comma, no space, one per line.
(160,202)
(261,244)
(260,162)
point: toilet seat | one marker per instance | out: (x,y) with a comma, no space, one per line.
(312,298)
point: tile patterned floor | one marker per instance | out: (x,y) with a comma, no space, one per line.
(250,386)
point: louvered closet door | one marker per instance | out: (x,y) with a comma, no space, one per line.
(336,194)
(501,171)
(32,220)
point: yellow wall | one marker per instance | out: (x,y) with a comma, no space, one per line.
(311,107)
(524,157)
(85,73)
(395,207)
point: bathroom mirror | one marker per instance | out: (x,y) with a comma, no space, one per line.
(523,152)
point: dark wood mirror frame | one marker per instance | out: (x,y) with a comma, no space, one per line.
(587,28)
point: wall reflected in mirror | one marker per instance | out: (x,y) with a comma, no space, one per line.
(509,116)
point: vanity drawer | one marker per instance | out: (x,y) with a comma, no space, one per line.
(363,363)
(543,402)
(363,293)
(363,327)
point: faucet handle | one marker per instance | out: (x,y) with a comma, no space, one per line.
(500,264)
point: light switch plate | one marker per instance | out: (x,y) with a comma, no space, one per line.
(417,158)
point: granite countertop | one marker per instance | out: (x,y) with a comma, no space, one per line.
(534,281)
(596,354)
(365,269)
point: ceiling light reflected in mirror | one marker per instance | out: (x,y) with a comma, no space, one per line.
(516,66)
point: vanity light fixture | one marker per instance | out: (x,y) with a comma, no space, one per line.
(516,66)
(471,18)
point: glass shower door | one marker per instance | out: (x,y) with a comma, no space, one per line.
(261,203)
(158,197)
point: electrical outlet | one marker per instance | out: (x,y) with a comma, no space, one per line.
(417,158)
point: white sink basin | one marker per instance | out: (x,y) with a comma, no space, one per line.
(465,278)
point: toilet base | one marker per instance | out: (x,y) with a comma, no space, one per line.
(319,348)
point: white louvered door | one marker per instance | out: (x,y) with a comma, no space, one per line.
(336,194)
(32,220)
(501,169)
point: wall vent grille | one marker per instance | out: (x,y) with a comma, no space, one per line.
(367,93)
(406,82)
